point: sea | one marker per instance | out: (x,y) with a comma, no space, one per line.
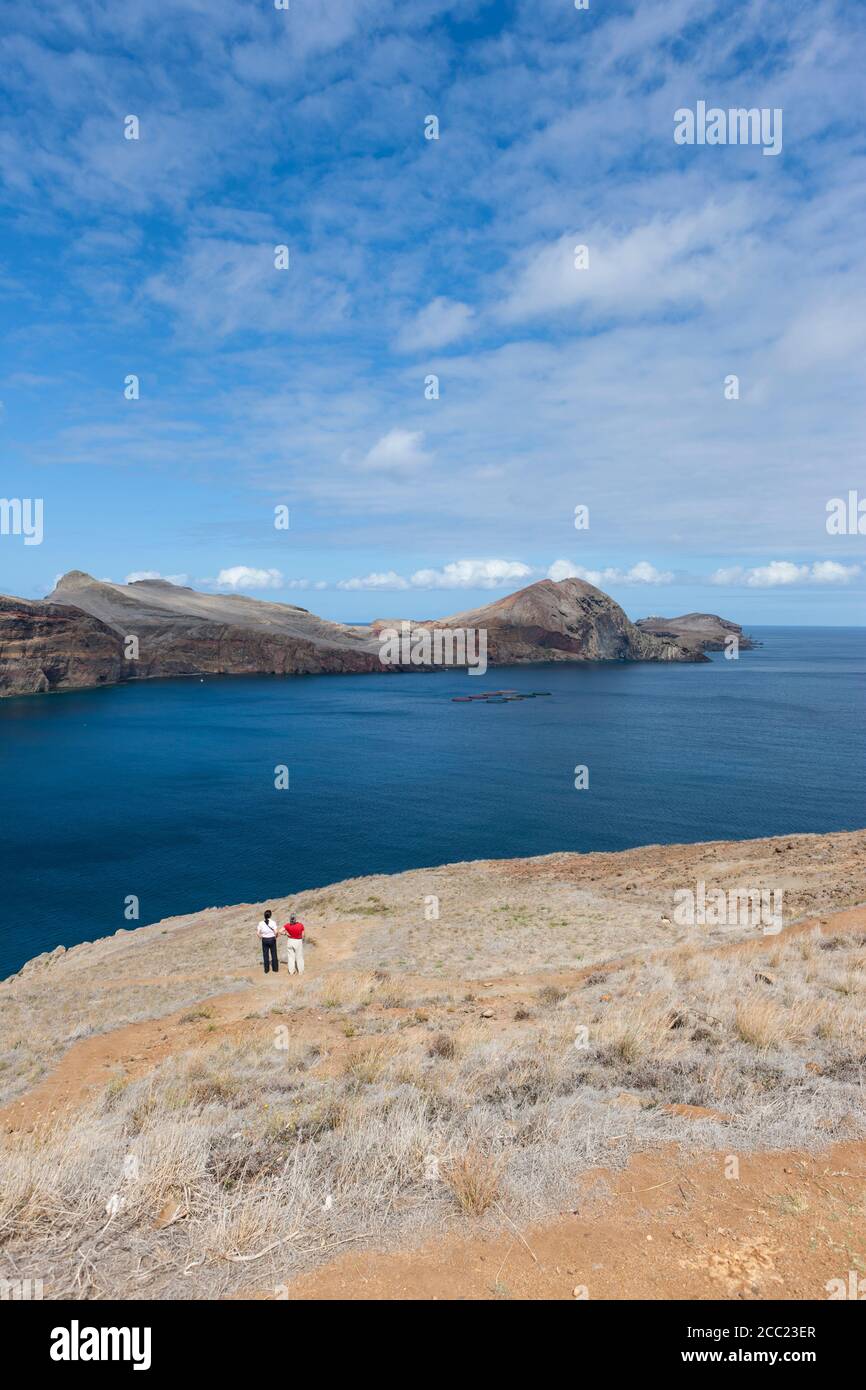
(166,797)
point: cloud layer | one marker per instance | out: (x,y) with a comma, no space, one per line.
(786,572)
(457,574)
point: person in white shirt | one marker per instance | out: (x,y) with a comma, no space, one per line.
(268,937)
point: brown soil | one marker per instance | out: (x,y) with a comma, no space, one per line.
(666,1228)
(137,1048)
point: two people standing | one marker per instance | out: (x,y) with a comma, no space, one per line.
(294,934)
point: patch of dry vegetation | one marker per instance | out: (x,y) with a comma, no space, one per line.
(247,1162)
(566,909)
(40,1020)
(563,910)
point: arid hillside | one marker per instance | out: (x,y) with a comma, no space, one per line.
(521,1078)
(705,632)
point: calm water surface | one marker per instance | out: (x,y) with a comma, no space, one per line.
(166,789)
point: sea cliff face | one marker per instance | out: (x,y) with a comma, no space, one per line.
(89,632)
(48,646)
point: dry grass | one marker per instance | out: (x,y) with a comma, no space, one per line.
(251,1154)
(369,1062)
(344,991)
(565,910)
(474,1179)
(195,1015)
(639,1029)
(550,994)
(765,1024)
(443,1045)
(239,1165)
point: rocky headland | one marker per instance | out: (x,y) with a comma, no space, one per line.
(89,632)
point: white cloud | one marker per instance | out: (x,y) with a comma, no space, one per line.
(458,574)
(182,579)
(562,569)
(386,580)
(472,574)
(831,572)
(781,572)
(641,573)
(732,575)
(775,573)
(398,451)
(442,321)
(245,577)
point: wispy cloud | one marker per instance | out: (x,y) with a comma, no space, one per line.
(440,322)
(688,258)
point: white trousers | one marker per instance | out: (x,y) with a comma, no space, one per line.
(295,956)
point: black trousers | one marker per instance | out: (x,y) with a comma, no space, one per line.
(269,954)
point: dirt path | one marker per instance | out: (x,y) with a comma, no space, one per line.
(672,1225)
(138,1047)
(666,1228)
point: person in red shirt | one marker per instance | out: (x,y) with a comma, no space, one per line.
(294,931)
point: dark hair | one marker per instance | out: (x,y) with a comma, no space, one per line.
(268,914)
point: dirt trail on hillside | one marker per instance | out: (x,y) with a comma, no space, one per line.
(673,1224)
(138,1047)
(668,1227)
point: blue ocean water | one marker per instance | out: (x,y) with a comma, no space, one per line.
(165,789)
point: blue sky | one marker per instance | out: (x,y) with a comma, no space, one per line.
(453,257)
